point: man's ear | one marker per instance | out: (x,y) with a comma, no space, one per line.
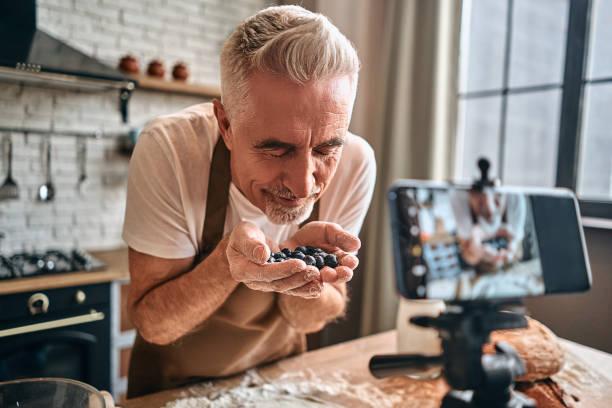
(223,122)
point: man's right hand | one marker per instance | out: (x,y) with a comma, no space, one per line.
(248,252)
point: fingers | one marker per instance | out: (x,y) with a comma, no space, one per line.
(248,241)
(348,260)
(340,274)
(311,290)
(297,280)
(244,270)
(327,234)
(336,236)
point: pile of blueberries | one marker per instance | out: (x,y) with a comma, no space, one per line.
(310,255)
(497,242)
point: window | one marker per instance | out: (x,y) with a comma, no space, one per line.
(535,95)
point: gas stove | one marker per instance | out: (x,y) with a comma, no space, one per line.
(24,265)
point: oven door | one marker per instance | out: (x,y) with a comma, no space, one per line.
(72,344)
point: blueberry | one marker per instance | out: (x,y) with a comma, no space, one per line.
(309,260)
(331,260)
(320,262)
(301,249)
(272,259)
(280,255)
(310,250)
(298,255)
(286,251)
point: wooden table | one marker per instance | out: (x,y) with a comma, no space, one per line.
(586,369)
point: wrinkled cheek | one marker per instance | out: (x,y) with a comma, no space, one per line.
(264,176)
(325,174)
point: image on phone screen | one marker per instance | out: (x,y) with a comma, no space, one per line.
(462,244)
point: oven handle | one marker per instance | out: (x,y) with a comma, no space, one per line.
(92,316)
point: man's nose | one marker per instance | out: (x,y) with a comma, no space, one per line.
(299,176)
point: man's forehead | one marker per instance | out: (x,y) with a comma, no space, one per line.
(319,120)
(329,125)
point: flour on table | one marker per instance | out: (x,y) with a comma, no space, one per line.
(300,389)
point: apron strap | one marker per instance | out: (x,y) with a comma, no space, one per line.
(217,198)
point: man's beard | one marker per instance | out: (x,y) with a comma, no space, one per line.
(281,214)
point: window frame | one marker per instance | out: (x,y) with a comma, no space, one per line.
(572,101)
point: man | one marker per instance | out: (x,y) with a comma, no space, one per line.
(214,189)
(490,227)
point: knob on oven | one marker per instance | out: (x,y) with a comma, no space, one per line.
(38,303)
(79,296)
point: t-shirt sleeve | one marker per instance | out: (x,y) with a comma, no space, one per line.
(516,215)
(353,187)
(155,221)
(461,210)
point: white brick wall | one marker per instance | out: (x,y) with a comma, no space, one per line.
(189,30)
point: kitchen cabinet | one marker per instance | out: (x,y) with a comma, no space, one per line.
(62,332)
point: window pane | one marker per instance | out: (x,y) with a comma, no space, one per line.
(532,134)
(595,172)
(483,31)
(538,42)
(600,52)
(479,120)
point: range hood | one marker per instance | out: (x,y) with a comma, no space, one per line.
(29,54)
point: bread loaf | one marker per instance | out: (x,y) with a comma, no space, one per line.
(536,345)
(547,394)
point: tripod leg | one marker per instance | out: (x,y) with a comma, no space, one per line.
(457,399)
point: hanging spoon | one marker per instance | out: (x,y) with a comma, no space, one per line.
(46,192)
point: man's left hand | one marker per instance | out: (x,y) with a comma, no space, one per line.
(333,239)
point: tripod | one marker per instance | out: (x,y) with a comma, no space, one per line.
(476,380)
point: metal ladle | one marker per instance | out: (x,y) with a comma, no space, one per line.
(46,192)
(9,188)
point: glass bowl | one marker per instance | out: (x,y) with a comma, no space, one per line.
(49,393)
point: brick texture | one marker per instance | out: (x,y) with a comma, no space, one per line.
(91,217)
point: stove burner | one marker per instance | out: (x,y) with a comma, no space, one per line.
(53,261)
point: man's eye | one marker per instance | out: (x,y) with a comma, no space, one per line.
(277,153)
(328,151)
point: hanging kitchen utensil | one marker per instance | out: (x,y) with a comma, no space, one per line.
(46,192)
(83,181)
(9,188)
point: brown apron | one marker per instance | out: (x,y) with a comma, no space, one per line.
(246,330)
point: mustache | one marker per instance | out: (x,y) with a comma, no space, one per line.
(284,192)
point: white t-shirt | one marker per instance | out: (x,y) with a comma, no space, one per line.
(513,205)
(168,183)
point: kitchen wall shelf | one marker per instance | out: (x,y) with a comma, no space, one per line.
(150,83)
(32,75)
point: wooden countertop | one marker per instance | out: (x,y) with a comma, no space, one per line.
(350,361)
(116,268)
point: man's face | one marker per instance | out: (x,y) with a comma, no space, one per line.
(286,145)
(486,204)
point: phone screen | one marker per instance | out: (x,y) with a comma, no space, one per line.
(455,243)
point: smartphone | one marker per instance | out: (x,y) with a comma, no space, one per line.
(458,243)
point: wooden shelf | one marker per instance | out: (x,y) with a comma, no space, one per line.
(172,86)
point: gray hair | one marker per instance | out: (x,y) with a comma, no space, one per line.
(286,40)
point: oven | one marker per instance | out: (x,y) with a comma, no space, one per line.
(61,332)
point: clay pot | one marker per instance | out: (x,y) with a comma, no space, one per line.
(180,72)
(156,69)
(129,65)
